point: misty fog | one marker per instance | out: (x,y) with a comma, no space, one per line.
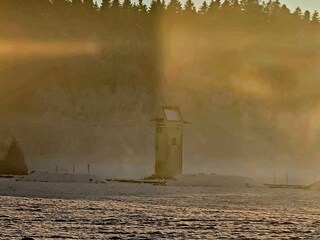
(80,87)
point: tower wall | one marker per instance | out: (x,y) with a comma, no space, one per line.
(169,140)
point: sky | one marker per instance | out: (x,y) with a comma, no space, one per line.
(310,5)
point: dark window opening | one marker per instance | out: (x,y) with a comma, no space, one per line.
(174,141)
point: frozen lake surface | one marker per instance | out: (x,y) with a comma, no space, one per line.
(140,211)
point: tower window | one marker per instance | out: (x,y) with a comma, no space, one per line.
(174,141)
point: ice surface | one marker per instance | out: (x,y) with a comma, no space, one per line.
(140,211)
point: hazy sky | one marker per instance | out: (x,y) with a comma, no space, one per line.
(304,4)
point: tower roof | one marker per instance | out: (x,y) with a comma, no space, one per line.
(170,114)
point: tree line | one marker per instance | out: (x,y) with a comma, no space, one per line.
(74,18)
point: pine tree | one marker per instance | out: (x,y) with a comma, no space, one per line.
(267,8)
(298,13)
(226,9)
(203,8)
(189,8)
(141,7)
(253,13)
(128,14)
(156,13)
(226,4)
(278,12)
(315,17)
(214,6)
(174,7)
(307,16)
(105,6)
(285,11)
(14,161)
(127,5)
(275,6)
(251,6)
(156,8)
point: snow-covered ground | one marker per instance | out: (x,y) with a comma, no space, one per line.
(114,210)
(211,180)
(38,176)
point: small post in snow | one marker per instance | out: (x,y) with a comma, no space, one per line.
(286,178)
(88,168)
(73,168)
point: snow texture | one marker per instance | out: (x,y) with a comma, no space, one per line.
(38,176)
(115,210)
(315,186)
(210,180)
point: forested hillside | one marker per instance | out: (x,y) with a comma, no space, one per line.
(81,81)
